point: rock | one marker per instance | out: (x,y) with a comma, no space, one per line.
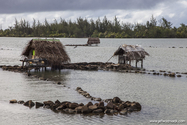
(66,110)
(38,104)
(121,107)
(98,111)
(81,104)
(172,74)
(92,107)
(126,104)
(55,106)
(110,105)
(123,112)
(13,101)
(89,104)
(61,107)
(73,105)
(78,88)
(29,103)
(57,102)
(71,111)
(107,111)
(116,100)
(85,110)
(48,103)
(20,102)
(59,83)
(135,106)
(113,111)
(179,76)
(78,109)
(162,71)
(108,100)
(88,96)
(97,99)
(101,104)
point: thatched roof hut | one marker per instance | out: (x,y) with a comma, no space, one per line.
(50,49)
(93,41)
(130,52)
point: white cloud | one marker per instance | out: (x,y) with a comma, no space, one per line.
(172,11)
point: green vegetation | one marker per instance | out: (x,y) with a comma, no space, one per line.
(103,29)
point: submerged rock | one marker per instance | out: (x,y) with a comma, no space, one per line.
(116,100)
(123,112)
(73,105)
(29,103)
(110,105)
(20,102)
(13,101)
(93,107)
(179,76)
(38,104)
(85,110)
(98,111)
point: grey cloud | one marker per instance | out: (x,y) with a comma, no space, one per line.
(27,6)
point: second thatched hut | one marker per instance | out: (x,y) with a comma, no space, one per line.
(128,53)
(93,41)
(45,52)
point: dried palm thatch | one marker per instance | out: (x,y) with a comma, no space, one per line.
(93,40)
(51,50)
(131,52)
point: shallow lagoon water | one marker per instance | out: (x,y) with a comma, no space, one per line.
(161,97)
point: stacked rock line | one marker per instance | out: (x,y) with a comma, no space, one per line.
(86,94)
(115,103)
(98,66)
(76,45)
(113,107)
(14,68)
(164,73)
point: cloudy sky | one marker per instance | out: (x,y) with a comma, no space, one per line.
(131,11)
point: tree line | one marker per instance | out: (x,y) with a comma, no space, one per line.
(96,28)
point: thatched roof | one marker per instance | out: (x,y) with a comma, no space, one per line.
(131,52)
(49,49)
(93,40)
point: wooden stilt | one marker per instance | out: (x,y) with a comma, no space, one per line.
(142,63)
(136,63)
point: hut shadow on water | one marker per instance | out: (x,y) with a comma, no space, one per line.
(53,75)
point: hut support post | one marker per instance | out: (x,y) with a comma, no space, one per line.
(136,63)
(142,63)
(23,63)
(129,62)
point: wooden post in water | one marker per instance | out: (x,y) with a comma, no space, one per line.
(142,63)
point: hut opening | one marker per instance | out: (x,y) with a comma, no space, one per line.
(91,41)
(45,53)
(128,53)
